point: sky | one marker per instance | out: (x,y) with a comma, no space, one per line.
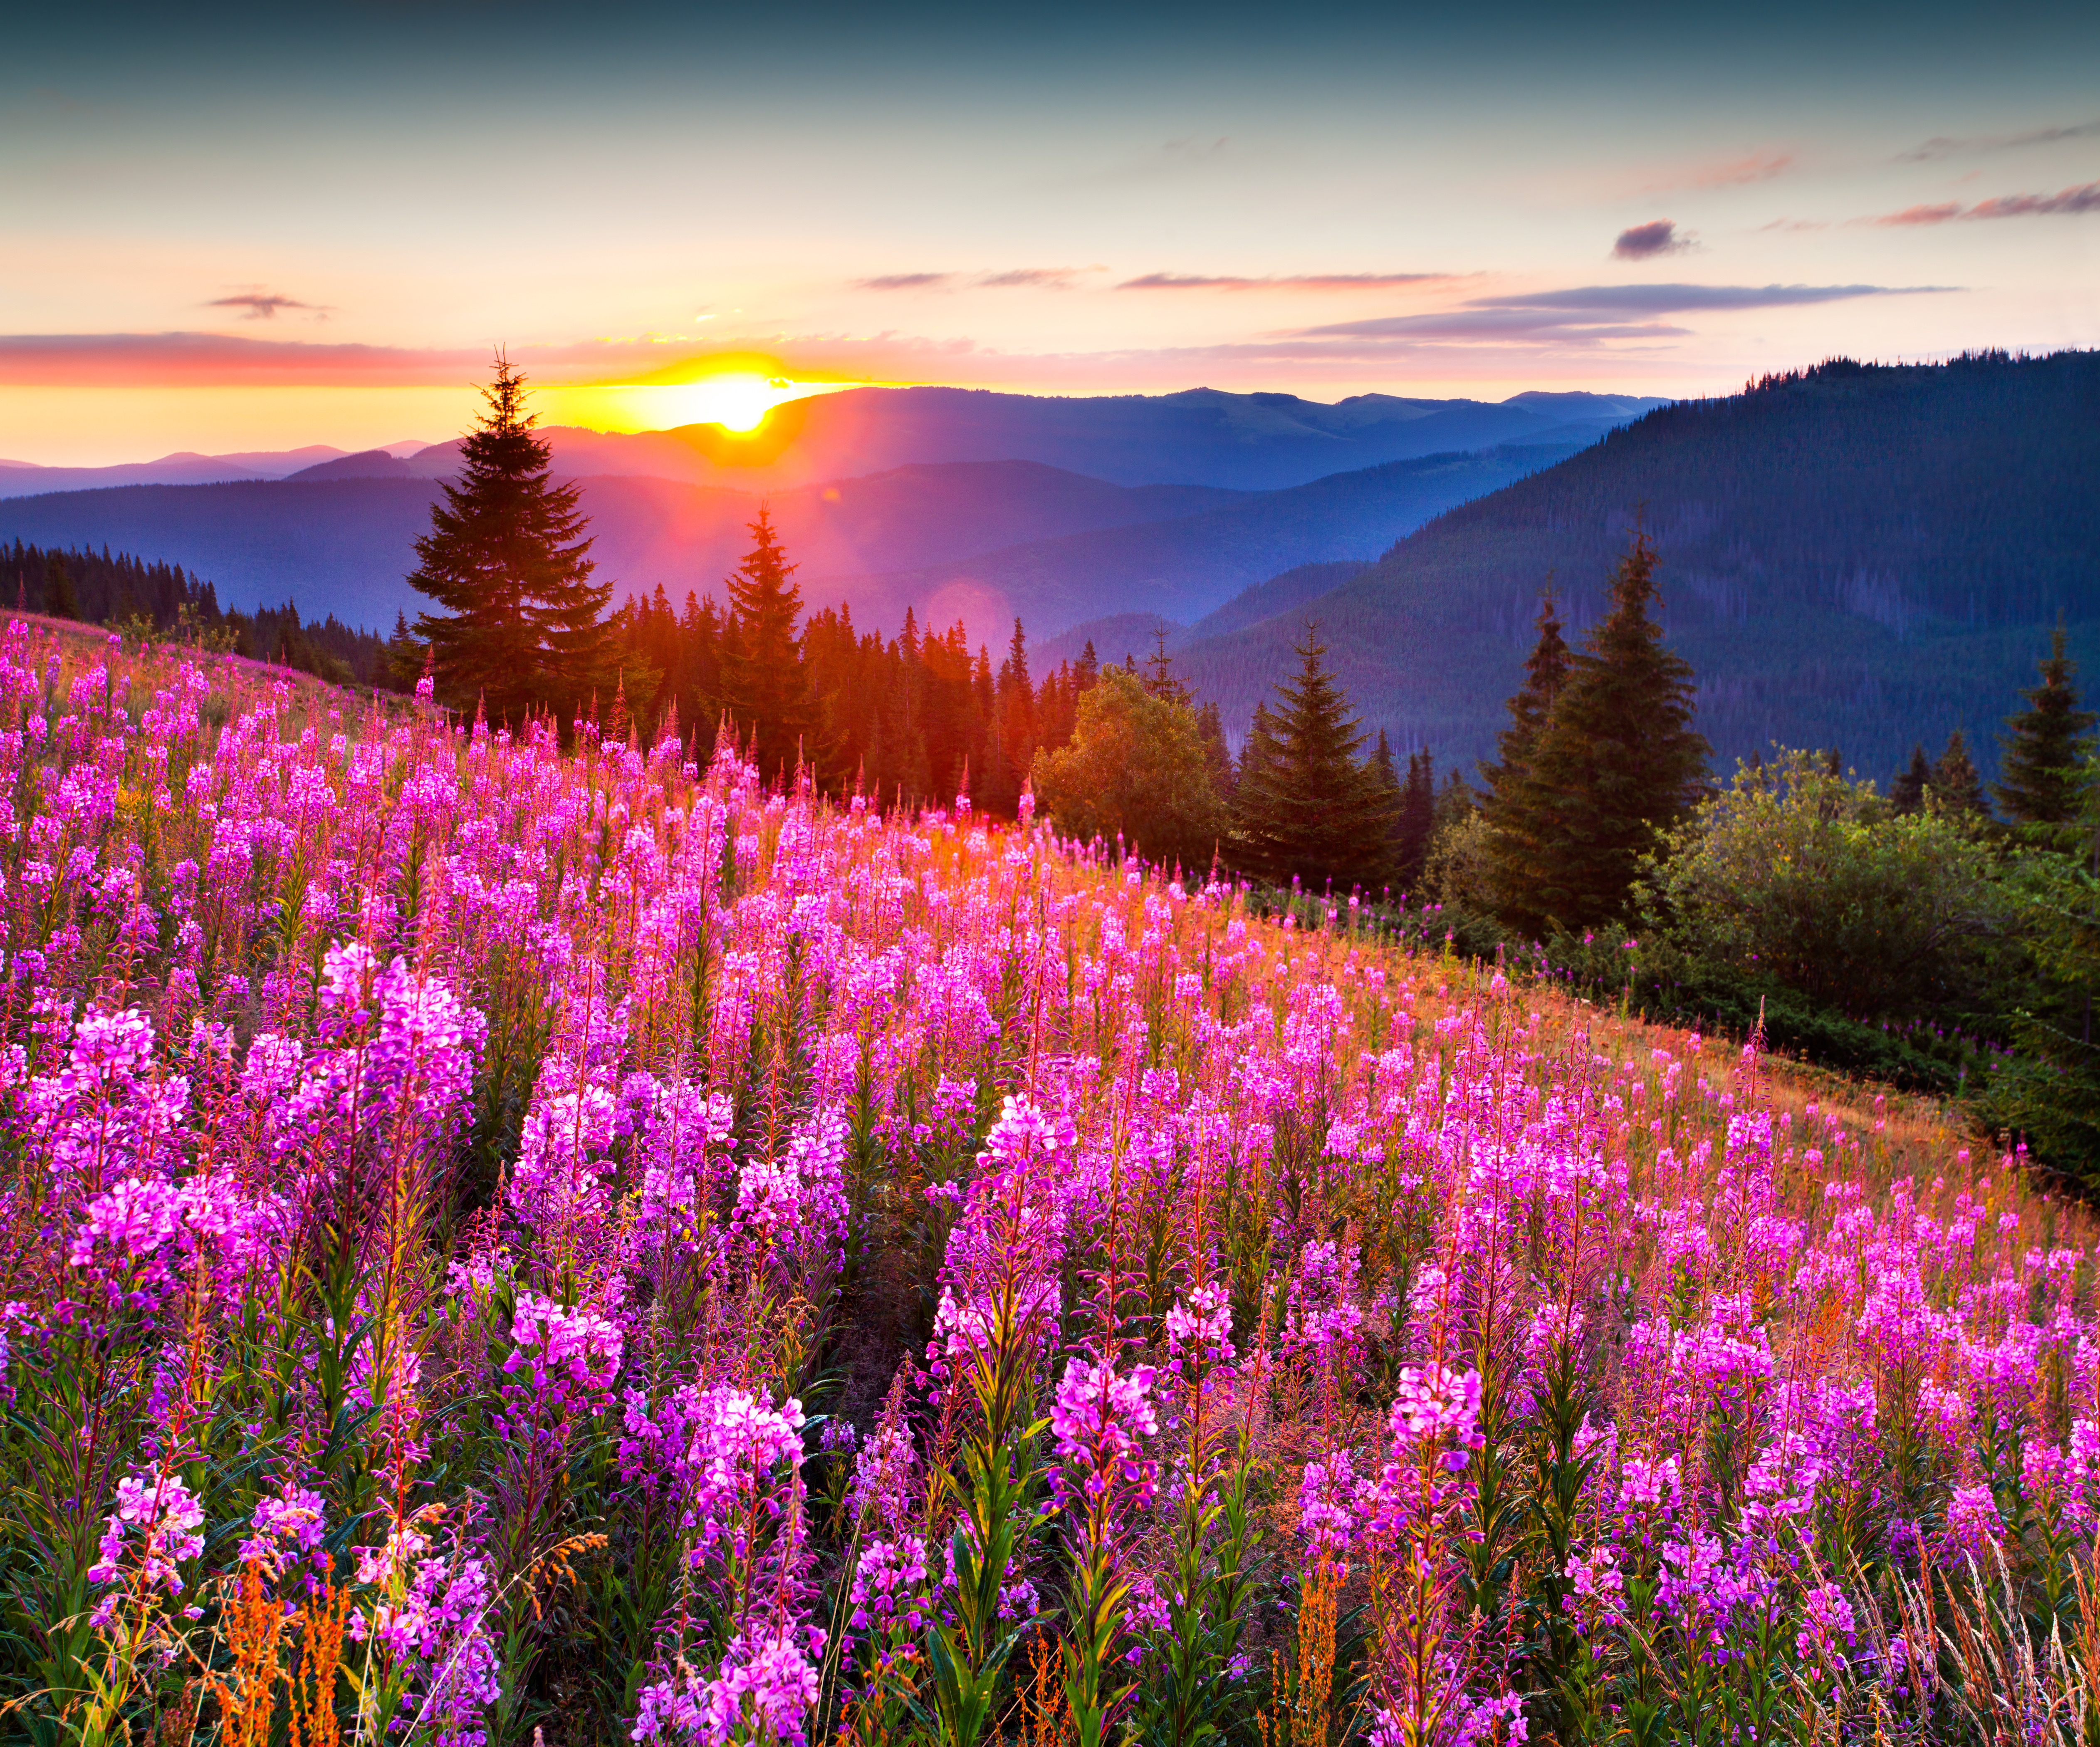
(232,230)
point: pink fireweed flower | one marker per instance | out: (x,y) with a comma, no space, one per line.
(889,1593)
(764,1690)
(155,1528)
(571,1355)
(290,1523)
(1099,1421)
(1329,1505)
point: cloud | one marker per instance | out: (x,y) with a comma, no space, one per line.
(1672,299)
(1280,281)
(1658,236)
(1586,315)
(263,306)
(1172,159)
(1057,278)
(184,359)
(1724,172)
(1732,173)
(2067,202)
(903,282)
(1946,146)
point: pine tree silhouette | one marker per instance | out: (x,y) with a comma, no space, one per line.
(521,625)
(1956,786)
(1545,671)
(1311,811)
(1418,818)
(60,600)
(1614,764)
(764,674)
(1906,793)
(2042,776)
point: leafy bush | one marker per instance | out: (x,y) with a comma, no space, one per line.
(1808,878)
(1136,769)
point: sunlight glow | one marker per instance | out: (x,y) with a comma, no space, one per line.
(737,400)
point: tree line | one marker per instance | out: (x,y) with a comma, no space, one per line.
(155,598)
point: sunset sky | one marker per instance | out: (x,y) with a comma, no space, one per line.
(232,230)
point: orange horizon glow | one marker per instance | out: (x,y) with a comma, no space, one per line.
(737,400)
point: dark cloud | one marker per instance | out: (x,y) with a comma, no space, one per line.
(261,305)
(903,282)
(1658,236)
(1947,146)
(1279,281)
(2065,203)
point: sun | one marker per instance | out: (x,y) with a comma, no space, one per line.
(736,401)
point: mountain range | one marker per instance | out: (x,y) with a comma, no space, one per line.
(944,531)
(1855,556)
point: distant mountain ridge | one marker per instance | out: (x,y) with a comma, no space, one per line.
(1202,436)
(1181,569)
(27,479)
(1855,556)
(984,541)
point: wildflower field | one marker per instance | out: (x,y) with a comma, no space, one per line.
(496,1239)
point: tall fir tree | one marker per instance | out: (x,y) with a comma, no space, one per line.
(1615,764)
(60,600)
(1906,793)
(1418,819)
(764,674)
(1217,756)
(1956,785)
(520,624)
(2042,772)
(1544,672)
(1311,810)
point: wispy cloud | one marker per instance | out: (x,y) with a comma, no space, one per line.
(1735,171)
(1056,278)
(263,306)
(905,282)
(1944,145)
(1732,173)
(1281,281)
(1658,236)
(2065,203)
(1585,316)
(1172,159)
(187,360)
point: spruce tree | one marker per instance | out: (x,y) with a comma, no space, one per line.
(60,600)
(2042,777)
(1616,763)
(520,624)
(1418,819)
(764,673)
(1956,786)
(1545,671)
(1906,793)
(1314,812)
(1217,756)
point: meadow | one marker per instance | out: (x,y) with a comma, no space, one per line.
(501,1241)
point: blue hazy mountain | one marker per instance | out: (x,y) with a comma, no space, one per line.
(1852,556)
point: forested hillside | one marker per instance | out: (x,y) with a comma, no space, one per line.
(1853,555)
